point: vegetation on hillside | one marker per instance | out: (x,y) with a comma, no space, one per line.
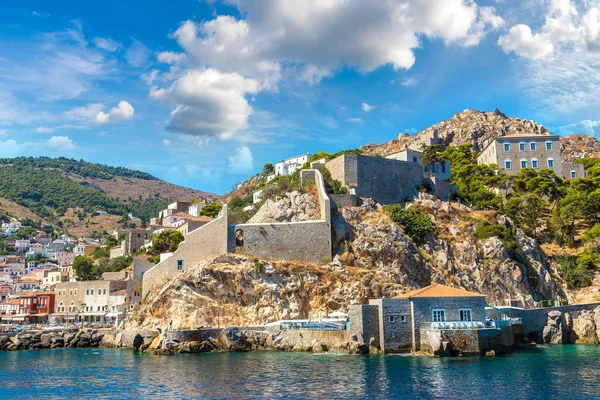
(164,242)
(49,194)
(82,168)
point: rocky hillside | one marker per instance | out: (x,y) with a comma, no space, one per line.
(480,128)
(82,196)
(378,259)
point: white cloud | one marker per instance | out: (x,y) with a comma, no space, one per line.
(123,111)
(354,120)
(60,143)
(313,74)
(170,57)
(107,44)
(241,162)
(588,127)
(166,142)
(3,132)
(366,107)
(43,129)
(53,66)
(525,44)
(564,26)
(54,146)
(208,102)
(150,77)
(307,40)
(84,113)
(409,82)
(137,54)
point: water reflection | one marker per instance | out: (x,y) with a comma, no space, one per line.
(556,372)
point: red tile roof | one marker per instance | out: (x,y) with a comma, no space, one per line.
(438,290)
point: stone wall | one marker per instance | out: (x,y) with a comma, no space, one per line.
(439,187)
(422,311)
(308,241)
(344,200)
(535,320)
(364,323)
(207,241)
(386,181)
(395,335)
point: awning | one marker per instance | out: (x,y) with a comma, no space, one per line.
(96,314)
(112,315)
(40,315)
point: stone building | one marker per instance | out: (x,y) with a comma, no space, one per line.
(89,300)
(385,180)
(512,153)
(133,241)
(440,169)
(407,323)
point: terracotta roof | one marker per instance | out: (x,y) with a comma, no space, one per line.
(438,290)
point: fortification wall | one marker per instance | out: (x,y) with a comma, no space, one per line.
(207,241)
(308,241)
(387,181)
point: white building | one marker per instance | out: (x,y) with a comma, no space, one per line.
(22,245)
(256,196)
(290,165)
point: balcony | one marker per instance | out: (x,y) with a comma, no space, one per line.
(456,325)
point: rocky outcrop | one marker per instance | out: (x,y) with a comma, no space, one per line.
(51,340)
(470,126)
(579,146)
(294,207)
(582,327)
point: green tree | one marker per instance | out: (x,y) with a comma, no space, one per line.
(416,226)
(84,268)
(211,210)
(165,242)
(268,169)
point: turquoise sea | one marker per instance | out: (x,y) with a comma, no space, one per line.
(560,372)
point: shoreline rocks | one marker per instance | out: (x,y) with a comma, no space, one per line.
(51,340)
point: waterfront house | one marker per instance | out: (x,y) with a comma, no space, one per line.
(405,320)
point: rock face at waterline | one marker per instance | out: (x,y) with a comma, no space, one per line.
(51,340)
(573,327)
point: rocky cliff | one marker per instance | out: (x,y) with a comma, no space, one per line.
(378,259)
(481,127)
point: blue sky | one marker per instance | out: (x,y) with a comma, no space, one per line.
(203,93)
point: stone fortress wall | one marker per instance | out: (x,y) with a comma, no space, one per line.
(385,180)
(207,241)
(308,241)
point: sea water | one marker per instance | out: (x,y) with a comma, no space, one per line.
(555,372)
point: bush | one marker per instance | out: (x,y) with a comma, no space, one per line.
(416,225)
(211,210)
(577,271)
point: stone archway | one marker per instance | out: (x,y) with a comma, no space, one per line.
(239,238)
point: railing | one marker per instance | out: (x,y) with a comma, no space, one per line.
(500,323)
(315,326)
(456,325)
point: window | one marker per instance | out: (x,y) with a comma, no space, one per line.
(391,318)
(521,146)
(438,315)
(443,168)
(573,174)
(532,146)
(179,265)
(548,145)
(403,318)
(534,163)
(508,164)
(523,163)
(464,314)
(506,147)
(550,163)
(414,159)
(92,292)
